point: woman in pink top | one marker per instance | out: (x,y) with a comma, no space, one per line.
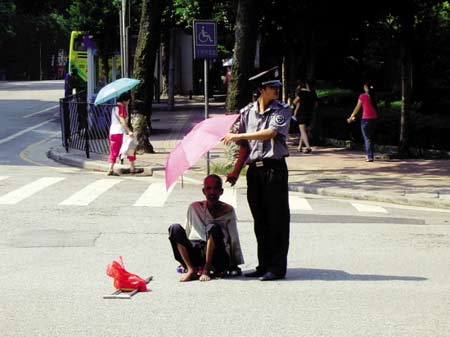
(369,118)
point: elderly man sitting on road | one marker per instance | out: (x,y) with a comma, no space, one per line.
(208,244)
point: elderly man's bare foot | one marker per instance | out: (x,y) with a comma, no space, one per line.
(205,277)
(190,275)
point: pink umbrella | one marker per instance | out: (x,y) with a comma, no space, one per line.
(202,138)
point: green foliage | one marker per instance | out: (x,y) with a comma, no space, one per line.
(44,18)
(7,13)
(183,12)
(397,105)
(30,36)
(433,57)
(99,18)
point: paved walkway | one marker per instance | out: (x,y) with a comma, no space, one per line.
(327,171)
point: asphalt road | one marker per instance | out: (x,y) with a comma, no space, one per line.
(29,113)
(355,268)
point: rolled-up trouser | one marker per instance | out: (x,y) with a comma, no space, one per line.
(115,143)
(197,248)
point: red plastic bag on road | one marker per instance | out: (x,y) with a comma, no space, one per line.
(123,279)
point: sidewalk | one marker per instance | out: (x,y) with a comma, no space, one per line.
(328,171)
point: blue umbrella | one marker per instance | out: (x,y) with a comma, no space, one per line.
(115,89)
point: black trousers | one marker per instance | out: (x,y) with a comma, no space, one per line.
(267,195)
(197,248)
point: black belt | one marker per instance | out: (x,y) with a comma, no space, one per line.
(268,163)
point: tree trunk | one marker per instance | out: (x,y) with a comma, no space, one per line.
(105,66)
(284,80)
(239,90)
(311,55)
(165,62)
(144,68)
(293,62)
(406,40)
(171,87)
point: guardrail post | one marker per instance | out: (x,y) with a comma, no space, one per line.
(64,121)
(86,133)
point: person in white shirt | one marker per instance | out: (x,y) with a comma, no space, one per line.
(208,244)
(117,130)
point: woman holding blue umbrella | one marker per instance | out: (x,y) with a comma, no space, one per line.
(118,129)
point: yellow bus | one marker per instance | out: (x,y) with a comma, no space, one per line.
(78,59)
(78,55)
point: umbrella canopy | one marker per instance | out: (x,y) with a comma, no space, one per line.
(115,89)
(202,138)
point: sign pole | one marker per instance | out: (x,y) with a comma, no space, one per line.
(205,61)
(205,47)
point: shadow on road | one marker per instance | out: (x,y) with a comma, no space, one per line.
(305,274)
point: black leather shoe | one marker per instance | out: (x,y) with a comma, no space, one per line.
(269,276)
(255,273)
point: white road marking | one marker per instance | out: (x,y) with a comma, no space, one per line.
(230,196)
(417,208)
(20,133)
(299,204)
(39,112)
(155,195)
(3,177)
(91,192)
(368,208)
(28,190)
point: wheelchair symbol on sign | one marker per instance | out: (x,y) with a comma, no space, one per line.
(204,36)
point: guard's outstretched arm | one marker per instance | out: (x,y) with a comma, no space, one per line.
(233,176)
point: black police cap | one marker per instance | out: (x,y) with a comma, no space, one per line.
(268,77)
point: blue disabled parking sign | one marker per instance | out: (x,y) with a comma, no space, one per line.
(205,39)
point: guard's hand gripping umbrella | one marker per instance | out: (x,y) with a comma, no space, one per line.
(202,138)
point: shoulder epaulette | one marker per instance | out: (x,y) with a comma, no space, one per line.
(247,107)
(279,105)
(283,105)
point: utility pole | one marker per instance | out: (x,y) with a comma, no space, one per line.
(123,40)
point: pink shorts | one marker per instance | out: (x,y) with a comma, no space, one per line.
(115,143)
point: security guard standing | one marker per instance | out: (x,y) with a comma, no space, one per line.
(263,129)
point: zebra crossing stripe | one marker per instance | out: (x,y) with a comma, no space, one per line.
(299,204)
(91,192)
(229,196)
(28,190)
(368,208)
(154,196)
(3,177)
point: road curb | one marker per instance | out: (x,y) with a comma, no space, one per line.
(371,196)
(434,202)
(93,165)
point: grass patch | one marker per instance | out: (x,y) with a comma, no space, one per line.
(222,169)
(334,92)
(397,105)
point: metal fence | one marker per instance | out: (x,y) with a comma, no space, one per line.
(84,126)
